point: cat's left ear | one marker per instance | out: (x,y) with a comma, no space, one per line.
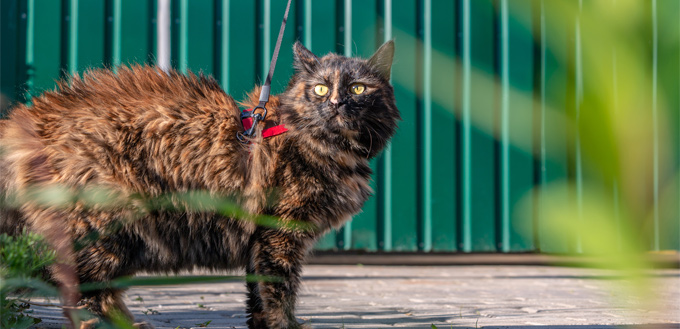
(304,59)
(382,59)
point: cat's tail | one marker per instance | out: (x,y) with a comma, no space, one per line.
(11,222)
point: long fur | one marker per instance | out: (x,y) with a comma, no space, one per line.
(140,138)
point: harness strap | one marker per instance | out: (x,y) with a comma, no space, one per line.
(264,92)
(247,121)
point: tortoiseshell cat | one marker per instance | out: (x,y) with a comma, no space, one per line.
(141,133)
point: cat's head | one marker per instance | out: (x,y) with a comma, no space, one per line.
(346,97)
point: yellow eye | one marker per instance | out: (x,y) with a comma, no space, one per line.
(321,90)
(357,88)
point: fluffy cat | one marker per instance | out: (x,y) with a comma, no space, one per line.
(142,133)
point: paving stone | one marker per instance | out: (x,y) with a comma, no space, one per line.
(510,297)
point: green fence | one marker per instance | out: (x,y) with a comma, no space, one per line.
(496,99)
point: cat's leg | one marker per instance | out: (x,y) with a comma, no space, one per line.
(103,260)
(277,259)
(108,304)
(49,223)
(254,309)
(105,303)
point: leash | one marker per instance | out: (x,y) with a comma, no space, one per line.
(250,118)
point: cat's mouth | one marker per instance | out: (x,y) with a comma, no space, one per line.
(344,111)
(340,116)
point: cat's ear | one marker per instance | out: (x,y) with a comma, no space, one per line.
(304,59)
(382,59)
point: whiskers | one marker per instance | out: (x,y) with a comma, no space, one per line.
(370,142)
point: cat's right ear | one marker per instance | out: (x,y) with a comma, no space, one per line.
(304,59)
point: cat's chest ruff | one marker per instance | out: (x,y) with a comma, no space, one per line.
(340,174)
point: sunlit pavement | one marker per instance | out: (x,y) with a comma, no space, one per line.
(418,296)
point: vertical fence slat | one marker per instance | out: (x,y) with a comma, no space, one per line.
(284,64)
(577,106)
(324,25)
(384,160)
(164,34)
(114,23)
(465,54)
(404,153)
(538,122)
(134,42)
(669,81)
(322,40)
(29,58)
(222,42)
(9,20)
(542,173)
(23,49)
(444,199)
(90,26)
(516,157)
(364,21)
(343,46)
(424,107)
(306,11)
(242,64)
(152,26)
(553,130)
(200,29)
(479,145)
(655,126)
(179,36)
(263,37)
(504,193)
(70,36)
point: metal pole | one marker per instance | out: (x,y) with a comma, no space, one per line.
(163,35)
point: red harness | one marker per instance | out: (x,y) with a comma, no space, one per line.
(267,132)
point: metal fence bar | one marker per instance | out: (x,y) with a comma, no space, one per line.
(578,101)
(71,19)
(385,160)
(30,44)
(222,42)
(405,142)
(466,133)
(322,15)
(505,127)
(444,132)
(116,33)
(163,35)
(425,169)
(365,40)
(265,37)
(655,127)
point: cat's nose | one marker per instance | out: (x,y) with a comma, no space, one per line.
(334,100)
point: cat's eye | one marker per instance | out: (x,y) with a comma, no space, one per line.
(321,90)
(357,88)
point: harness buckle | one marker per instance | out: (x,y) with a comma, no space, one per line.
(255,117)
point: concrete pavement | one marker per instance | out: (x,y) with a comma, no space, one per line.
(344,296)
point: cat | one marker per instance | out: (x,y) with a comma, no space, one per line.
(141,133)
